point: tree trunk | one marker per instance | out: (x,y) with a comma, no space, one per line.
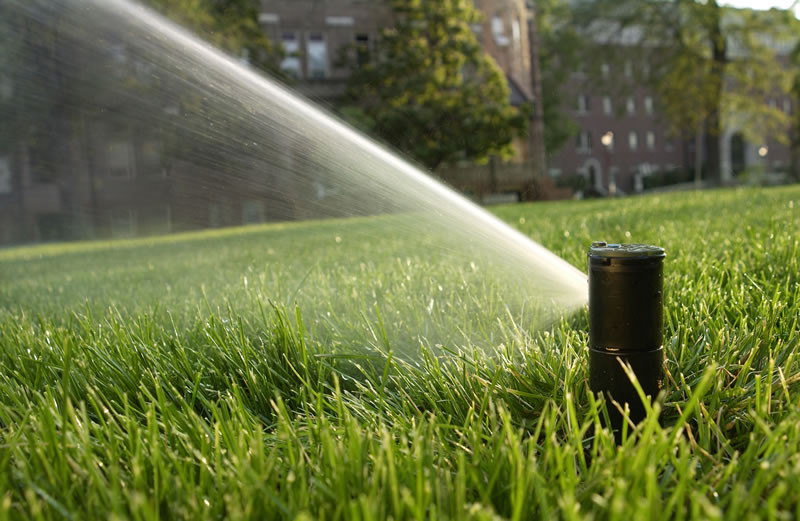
(698,156)
(794,158)
(538,156)
(493,175)
(719,57)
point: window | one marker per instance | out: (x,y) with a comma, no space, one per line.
(339,21)
(291,63)
(516,33)
(499,30)
(362,49)
(630,106)
(607,109)
(633,141)
(119,159)
(648,105)
(268,18)
(317,56)
(583,104)
(5,176)
(584,141)
(605,70)
(669,145)
(252,212)
(628,69)
(651,140)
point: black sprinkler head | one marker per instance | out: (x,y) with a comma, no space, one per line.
(626,324)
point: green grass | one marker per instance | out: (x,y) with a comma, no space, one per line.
(174,378)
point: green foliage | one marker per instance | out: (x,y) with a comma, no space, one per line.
(795,123)
(559,56)
(431,92)
(231,25)
(183,394)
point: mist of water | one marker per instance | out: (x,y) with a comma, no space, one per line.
(118,122)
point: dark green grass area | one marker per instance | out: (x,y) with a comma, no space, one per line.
(174,378)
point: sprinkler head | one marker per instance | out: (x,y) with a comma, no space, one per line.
(625,324)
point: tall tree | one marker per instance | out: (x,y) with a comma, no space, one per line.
(231,25)
(709,65)
(429,89)
(559,55)
(794,130)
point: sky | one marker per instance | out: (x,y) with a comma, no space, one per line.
(763,4)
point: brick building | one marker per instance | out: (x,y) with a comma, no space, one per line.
(316,35)
(98,167)
(638,143)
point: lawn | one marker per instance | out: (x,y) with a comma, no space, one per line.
(338,370)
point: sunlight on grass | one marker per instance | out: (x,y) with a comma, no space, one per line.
(175,378)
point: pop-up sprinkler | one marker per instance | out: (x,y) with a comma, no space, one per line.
(625,324)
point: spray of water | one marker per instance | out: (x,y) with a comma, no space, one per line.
(136,126)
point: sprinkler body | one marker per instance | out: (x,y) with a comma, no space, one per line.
(625,325)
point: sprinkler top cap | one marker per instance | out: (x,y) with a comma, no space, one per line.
(604,249)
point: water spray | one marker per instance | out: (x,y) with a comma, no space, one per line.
(625,324)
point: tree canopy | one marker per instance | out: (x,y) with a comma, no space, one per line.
(231,25)
(559,55)
(429,90)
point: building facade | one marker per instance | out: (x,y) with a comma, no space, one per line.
(638,145)
(621,140)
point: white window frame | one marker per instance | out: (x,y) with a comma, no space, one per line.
(633,140)
(608,107)
(292,55)
(584,142)
(499,30)
(516,33)
(630,105)
(650,139)
(648,105)
(326,71)
(584,104)
(339,21)
(268,18)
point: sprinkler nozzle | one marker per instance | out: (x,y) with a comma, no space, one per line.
(625,324)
